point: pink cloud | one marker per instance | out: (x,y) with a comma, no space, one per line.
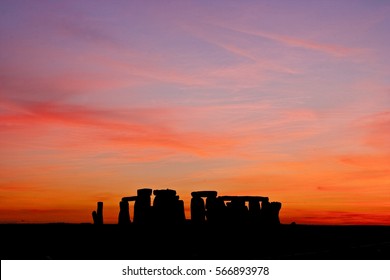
(139,128)
(375,130)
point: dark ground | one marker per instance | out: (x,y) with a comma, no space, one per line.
(87,241)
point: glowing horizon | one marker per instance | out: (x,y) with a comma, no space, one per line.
(279,99)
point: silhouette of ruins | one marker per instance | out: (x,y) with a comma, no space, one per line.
(206,208)
(233,209)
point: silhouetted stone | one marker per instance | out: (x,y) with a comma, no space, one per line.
(142,207)
(254,210)
(265,212)
(212,207)
(129,198)
(164,193)
(221,211)
(98,215)
(274,213)
(124,213)
(145,192)
(164,206)
(167,207)
(204,194)
(181,218)
(198,211)
(95,218)
(239,211)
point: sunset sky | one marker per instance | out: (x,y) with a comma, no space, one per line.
(285,99)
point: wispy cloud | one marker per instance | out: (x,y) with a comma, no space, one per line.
(330,49)
(127,128)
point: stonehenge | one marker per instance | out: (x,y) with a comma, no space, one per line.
(206,208)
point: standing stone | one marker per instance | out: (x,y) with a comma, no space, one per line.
(142,207)
(98,215)
(124,213)
(254,210)
(168,208)
(239,211)
(198,211)
(266,212)
(180,214)
(274,213)
(165,206)
(212,208)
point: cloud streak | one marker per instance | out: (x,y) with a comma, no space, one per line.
(330,49)
(121,129)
